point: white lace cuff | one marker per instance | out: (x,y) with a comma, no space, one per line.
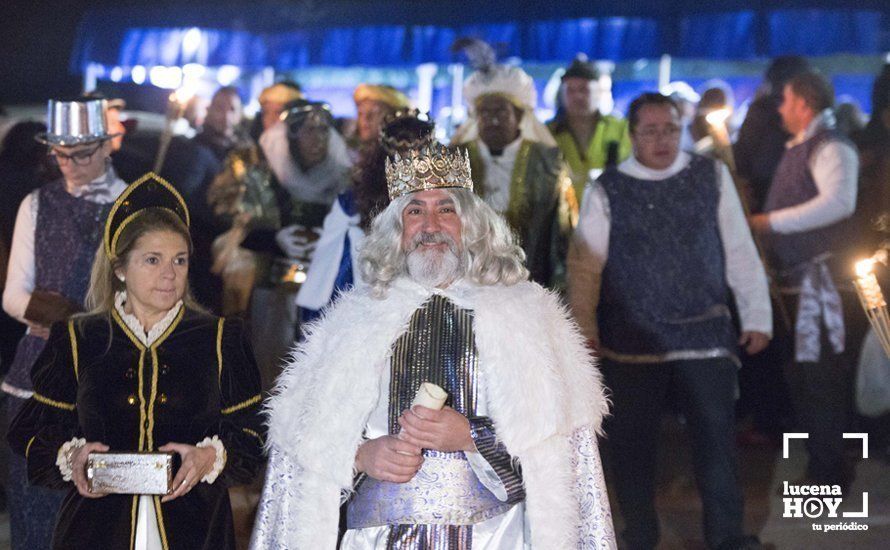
(220,461)
(63,457)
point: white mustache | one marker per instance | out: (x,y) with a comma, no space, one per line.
(433,238)
(433,267)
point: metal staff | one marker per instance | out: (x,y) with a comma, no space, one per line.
(720,134)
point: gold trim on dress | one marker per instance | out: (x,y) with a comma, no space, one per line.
(569,207)
(133,509)
(28,446)
(72,335)
(142,412)
(151,400)
(219,357)
(53,403)
(248,431)
(243,405)
(146,414)
(170,329)
(154,376)
(160,515)
(146,410)
(517,203)
(120,322)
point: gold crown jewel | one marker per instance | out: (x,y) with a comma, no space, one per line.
(433,167)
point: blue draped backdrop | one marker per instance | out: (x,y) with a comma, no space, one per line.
(251,38)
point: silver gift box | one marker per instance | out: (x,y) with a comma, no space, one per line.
(130,473)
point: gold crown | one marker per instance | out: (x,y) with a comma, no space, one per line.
(432,167)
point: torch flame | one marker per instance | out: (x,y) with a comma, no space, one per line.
(182,95)
(718,117)
(864,267)
(872,298)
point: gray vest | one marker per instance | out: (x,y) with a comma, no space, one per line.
(793,184)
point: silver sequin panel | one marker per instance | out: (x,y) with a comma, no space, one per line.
(438,347)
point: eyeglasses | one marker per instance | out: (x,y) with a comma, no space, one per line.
(80,158)
(652,135)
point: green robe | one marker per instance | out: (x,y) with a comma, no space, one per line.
(542,210)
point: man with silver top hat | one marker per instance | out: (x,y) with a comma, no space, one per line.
(448,303)
(517,168)
(57,232)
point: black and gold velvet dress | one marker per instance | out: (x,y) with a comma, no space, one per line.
(97,381)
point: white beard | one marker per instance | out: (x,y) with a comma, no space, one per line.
(433,268)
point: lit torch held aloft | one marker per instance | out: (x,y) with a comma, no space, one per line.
(176,105)
(720,134)
(872,299)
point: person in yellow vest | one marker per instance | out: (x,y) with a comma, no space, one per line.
(584,134)
(517,168)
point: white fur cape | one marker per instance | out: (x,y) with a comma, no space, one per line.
(542,388)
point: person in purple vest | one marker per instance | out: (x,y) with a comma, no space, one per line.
(57,232)
(806,224)
(661,248)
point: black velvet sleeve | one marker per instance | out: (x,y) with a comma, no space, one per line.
(49,418)
(241,426)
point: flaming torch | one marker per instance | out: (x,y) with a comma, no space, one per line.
(720,134)
(175,109)
(872,298)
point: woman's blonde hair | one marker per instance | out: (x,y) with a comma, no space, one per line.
(104,283)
